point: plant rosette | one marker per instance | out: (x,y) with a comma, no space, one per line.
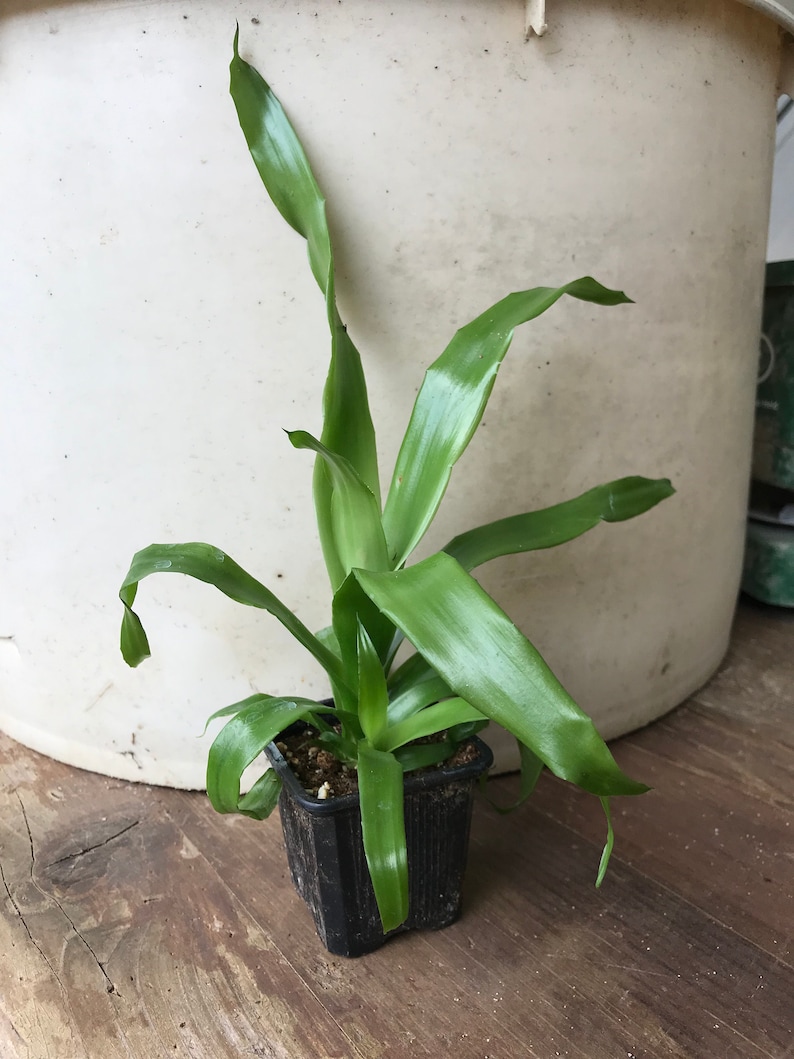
(470,664)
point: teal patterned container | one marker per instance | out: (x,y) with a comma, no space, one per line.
(769,553)
(773,453)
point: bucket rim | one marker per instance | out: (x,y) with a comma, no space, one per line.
(782,11)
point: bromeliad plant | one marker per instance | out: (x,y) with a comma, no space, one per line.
(471,664)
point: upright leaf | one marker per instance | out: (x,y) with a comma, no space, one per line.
(373,698)
(287,175)
(355,513)
(281,161)
(350,606)
(380,788)
(450,405)
(478,651)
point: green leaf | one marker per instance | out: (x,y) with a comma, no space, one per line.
(615,502)
(473,645)
(414,671)
(237,707)
(531,768)
(373,698)
(241,740)
(345,696)
(380,787)
(281,161)
(134,643)
(414,697)
(347,423)
(262,799)
(287,175)
(610,842)
(421,755)
(351,606)
(343,748)
(209,564)
(355,513)
(430,721)
(450,405)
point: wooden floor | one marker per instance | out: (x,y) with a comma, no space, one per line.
(136,923)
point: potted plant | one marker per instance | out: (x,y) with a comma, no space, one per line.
(393,724)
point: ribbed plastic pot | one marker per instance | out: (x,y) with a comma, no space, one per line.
(326,859)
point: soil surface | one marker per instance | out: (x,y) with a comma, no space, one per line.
(321,774)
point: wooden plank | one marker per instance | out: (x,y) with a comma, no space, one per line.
(755,684)
(123,941)
(630,967)
(717,828)
(540,957)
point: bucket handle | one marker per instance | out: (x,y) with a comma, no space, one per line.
(786,76)
(534,18)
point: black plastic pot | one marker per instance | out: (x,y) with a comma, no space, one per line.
(326,853)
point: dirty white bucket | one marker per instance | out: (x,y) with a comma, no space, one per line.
(161,329)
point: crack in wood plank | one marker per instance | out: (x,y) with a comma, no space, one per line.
(110,987)
(24,922)
(90,849)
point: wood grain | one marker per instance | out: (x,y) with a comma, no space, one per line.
(137,923)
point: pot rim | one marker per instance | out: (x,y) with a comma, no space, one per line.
(438,777)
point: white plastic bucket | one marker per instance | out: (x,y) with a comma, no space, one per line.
(162,329)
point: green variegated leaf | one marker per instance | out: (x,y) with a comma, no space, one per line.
(614,502)
(450,405)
